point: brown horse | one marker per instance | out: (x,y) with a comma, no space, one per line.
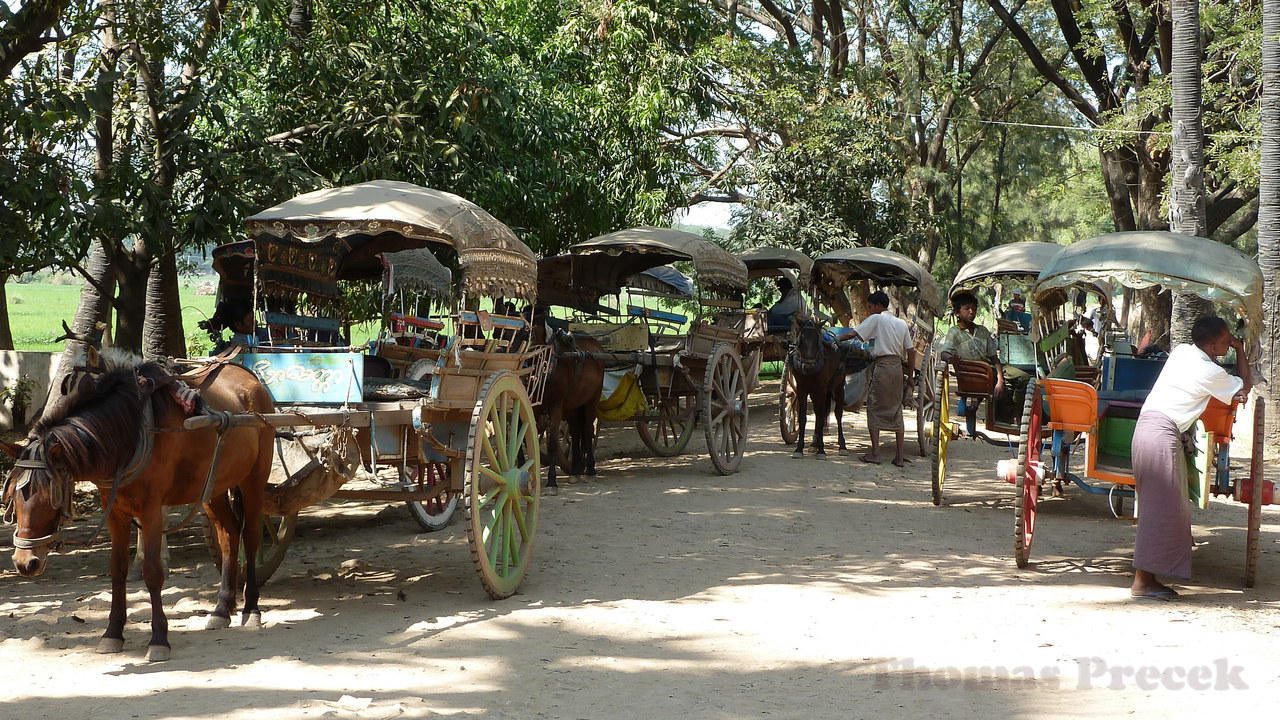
(122,430)
(818,368)
(572,392)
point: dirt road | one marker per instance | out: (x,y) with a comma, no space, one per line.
(794,589)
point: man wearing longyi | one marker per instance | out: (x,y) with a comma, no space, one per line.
(1190,377)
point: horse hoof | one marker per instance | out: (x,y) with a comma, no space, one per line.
(217,622)
(591,473)
(843,452)
(107,646)
(552,491)
(797,455)
(252,620)
(157,653)
(820,456)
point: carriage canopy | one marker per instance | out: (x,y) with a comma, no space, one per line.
(836,268)
(310,242)
(1019,262)
(1184,263)
(604,264)
(769,261)
(417,271)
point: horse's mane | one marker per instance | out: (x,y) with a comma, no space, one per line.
(98,426)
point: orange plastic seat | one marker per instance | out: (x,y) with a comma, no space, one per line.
(1218,418)
(1073,405)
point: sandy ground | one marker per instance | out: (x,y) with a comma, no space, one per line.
(794,589)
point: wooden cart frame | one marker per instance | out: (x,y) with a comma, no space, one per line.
(466,428)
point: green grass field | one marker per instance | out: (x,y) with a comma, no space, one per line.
(36,312)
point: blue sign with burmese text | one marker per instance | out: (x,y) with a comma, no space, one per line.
(309,377)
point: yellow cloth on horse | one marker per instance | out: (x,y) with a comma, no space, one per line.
(627,400)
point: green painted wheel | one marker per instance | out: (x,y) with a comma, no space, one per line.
(503,493)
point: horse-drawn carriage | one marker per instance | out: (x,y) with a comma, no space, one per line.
(440,404)
(1103,410)
(919,302)
(1030,350)
(681,373)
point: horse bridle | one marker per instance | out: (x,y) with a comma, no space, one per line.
(808,367)
(59,496)
(61,488)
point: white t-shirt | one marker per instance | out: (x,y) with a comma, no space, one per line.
(1188,380)
(891,334)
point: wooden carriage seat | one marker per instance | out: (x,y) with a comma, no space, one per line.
(488,332)
(974,378)
(413,331)
(1073,405)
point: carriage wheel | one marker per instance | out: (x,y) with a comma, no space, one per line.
(1256,472)
(724,393)
(433,514)
(277,534)
(670,435)
(788,416)
(1029,449)
(926,415)
(503,493)
(941,404)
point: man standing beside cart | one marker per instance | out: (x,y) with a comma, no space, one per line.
(1190,377)
(892,367)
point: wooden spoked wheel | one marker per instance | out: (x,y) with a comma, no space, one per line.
(1028,489)
(1256,472)
(277,534)
(725,396)
(926,414)
(669,435)
(503,489)
(433,514)
(941,402)
(788,416)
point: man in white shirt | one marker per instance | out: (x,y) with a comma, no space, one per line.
(1190,377)
(892,367)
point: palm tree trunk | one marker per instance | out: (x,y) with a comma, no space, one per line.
(1269,216)
(1186,199)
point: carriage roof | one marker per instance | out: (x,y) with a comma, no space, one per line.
(556,286)
(605,263)
(310,242)
(1184,263)
(1019,261)
(771,261)
(884,266)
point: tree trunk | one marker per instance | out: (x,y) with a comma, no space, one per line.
(6,333)
(132,271)
(163,334)
(95,307)
(1186,194)
(1269,218)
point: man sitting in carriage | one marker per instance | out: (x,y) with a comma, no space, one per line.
(789,303)
(966,340)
